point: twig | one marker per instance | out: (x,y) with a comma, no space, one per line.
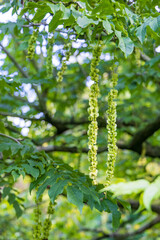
(21,116)
(24,74)
(144,56)
(73,149)
(12,138)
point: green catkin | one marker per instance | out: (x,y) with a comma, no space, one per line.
(93,114)
(37,218)
(32,42)
(138,57)
(47,222)
(49,58)
(64,64)
(112,129)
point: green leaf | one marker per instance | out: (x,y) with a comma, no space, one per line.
(75,196)
(108,38)
(15,175)
(56,189)
(11,198)
(133,187)
(103,8)
(30,6)
(6,191)
(15,148)
(125,204)
(125,44)
(17,209)
(47,182)
(154,60)
(141,32)
(37,164)
(40,14)
(54,7)
(34,184)
(31,170)
(89,191)
(152,192)
(75,13)
(55,21)
(153,23)
(4,146)
(113,208)
(107,26)
(83,22)
(130,15)
(60,7)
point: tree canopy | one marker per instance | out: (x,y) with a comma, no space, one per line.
(79,119)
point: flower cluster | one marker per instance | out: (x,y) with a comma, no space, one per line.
(50,210)
(112,129)
(38,226)
(49,58)
(64,64)
(31,44)
(46,228)
(93,114)
(47,222)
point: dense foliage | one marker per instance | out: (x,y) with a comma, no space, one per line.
(79,102)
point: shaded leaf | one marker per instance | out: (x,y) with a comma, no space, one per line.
(31,170)
(56,189)
(55,21)
(75,196)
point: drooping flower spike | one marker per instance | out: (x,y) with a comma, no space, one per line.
(32,42)
(64,64)
(37,219)
(49,57)
(112,128)
(93,113)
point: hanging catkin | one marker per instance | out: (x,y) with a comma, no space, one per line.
(64,64)
(47,222)
(41,231)
(37,219)
(49,57)
(93,114)
(112,128)
(32,42)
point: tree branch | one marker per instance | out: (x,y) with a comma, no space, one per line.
(24,74)
(21,116)
(25,101)
(143,134)
(151,151)
(144,56)
(147,226)
(12,138)
(75,149)
(135,205)
(47,118)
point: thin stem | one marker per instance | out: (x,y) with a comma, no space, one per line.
(12,138)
